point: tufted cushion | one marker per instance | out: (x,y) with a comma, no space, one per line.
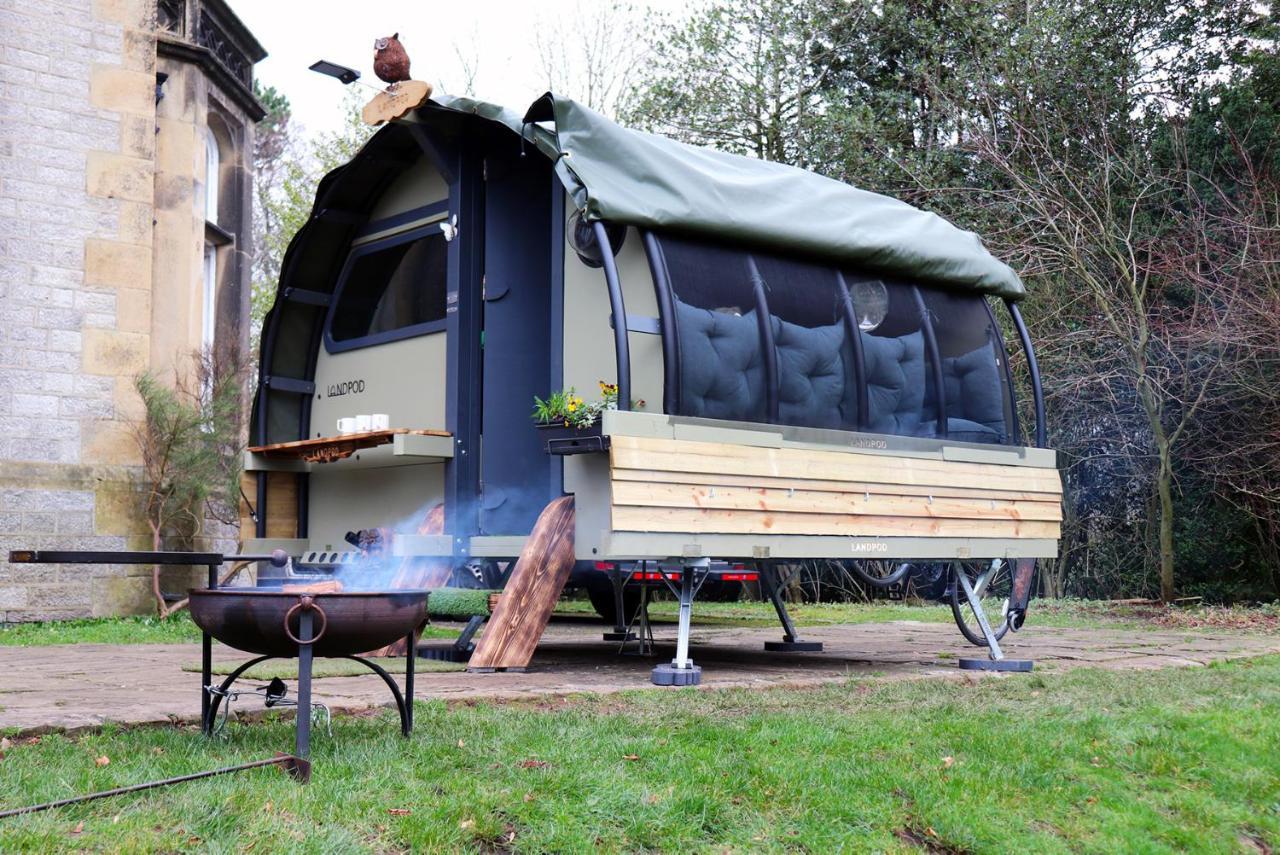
(975,396)
(721,370)
(895,382)
(811,374)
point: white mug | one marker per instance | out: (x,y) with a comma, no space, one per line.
(362,423)
(346,425)
(380,421)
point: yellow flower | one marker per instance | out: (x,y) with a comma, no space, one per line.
(572,406)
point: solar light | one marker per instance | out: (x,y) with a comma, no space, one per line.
(332,69)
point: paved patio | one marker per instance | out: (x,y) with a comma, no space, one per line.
(71,687)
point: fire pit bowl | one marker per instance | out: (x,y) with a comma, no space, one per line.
(346,623)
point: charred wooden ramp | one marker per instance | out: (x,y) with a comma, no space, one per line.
(530,596)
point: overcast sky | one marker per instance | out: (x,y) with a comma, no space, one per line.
(497,34)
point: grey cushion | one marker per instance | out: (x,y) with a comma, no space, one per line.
(895,383)
(721,369)
(975,395)
(811,374)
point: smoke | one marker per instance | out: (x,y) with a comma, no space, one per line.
(379,569)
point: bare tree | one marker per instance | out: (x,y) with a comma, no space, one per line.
(593,52)
(1158,313)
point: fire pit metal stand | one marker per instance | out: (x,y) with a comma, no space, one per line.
(312,626)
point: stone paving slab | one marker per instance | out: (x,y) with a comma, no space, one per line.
(77,686)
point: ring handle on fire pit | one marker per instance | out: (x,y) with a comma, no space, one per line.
(306,601)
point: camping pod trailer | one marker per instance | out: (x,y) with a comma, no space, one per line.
(821,369)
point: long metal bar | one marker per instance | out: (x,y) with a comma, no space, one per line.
(770,353)
(667,319)
(855,342)
(931,342)
(177,559)
(302,732)
(206,660)
(260,496)
(772,582)
(1015,429)
(410,660)
(1037,392)
(621,345)
(975,603)
(686,614)
(282,760)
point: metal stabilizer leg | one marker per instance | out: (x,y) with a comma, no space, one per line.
(773,583)
(621,621)
(997,662)
(682,671)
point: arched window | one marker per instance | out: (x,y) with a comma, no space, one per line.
(212,166)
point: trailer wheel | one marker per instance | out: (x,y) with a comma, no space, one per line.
(993,583)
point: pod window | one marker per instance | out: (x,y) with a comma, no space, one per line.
(392,289)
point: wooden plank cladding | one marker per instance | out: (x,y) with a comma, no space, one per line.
(282,505)
(667,485)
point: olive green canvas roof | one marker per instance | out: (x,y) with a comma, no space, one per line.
(641,179)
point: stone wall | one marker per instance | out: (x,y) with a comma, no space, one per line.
(83,307)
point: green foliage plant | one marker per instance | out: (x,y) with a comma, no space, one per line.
(189,441)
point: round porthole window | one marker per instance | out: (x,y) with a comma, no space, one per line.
(870,303)
(581,237)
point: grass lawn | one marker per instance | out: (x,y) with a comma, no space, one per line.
(1065,612)
(1088,613)
(1160,761)
(131,630)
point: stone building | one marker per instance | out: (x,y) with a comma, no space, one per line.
(126,141)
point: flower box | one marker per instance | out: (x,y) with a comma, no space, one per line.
(563,440)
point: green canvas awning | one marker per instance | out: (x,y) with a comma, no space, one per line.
(650,181)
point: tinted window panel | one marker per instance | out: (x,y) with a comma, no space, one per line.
(973,378)
(392,288)
(722,371)
(893,351)
(819,320)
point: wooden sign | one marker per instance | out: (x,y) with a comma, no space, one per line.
(395,102)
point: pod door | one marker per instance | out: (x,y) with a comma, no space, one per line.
(518,477)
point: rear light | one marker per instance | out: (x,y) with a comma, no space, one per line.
(739,577)
(603,565)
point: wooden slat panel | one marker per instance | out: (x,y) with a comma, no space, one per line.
(656,476)
(642,519)
(642,453)
(282,505)
(826,502)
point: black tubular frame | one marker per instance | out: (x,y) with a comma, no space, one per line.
(770,352)
(1037,391)
(931,343)
(621,346)
(667,319)
(855,342)
(1015,426)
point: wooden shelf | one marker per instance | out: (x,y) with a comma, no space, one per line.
(327,449)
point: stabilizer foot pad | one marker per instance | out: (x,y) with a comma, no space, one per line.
(619,636)
(670,675)
(1022,665)
(793,646)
